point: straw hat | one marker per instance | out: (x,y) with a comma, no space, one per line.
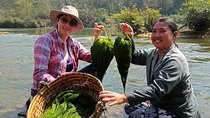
(68,10)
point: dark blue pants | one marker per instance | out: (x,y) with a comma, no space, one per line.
(141,111)
(88,69)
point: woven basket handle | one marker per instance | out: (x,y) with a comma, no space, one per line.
(100,106)
(42,84)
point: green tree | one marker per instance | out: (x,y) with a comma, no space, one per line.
(131,16)
(150,15)
(37,11)
(25,9)
(89,17)
(164,6)
(197,14)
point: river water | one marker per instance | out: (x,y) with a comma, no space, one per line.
(16,68)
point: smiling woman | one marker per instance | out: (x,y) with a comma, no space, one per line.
(168,78)
(55,52)
(16,68)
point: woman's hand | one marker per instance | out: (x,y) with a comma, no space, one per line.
(114,98)
(126,29)
(97,30)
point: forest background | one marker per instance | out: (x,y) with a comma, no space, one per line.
(140,14)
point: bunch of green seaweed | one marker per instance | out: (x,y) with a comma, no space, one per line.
(102,54)
(70,104)
(123,56)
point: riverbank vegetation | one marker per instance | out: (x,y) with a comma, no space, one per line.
(140,14)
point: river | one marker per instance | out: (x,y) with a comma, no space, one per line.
(16,68)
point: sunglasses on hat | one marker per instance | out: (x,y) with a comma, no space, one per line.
(71,22)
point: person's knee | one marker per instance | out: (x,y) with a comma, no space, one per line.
(127,109)
(136,114)
(28,102)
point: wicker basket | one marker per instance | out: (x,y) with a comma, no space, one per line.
(85,83)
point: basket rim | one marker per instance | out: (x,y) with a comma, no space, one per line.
(59,79)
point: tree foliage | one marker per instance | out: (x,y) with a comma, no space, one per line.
(197,14)
(25,13)
(150,15)
(35,13)
(131,16)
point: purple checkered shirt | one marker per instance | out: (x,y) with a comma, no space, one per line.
(49,57)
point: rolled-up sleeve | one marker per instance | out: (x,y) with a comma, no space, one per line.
(84,54)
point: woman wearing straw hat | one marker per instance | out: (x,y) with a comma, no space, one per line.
(56,52)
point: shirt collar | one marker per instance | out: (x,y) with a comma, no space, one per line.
(59,38)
